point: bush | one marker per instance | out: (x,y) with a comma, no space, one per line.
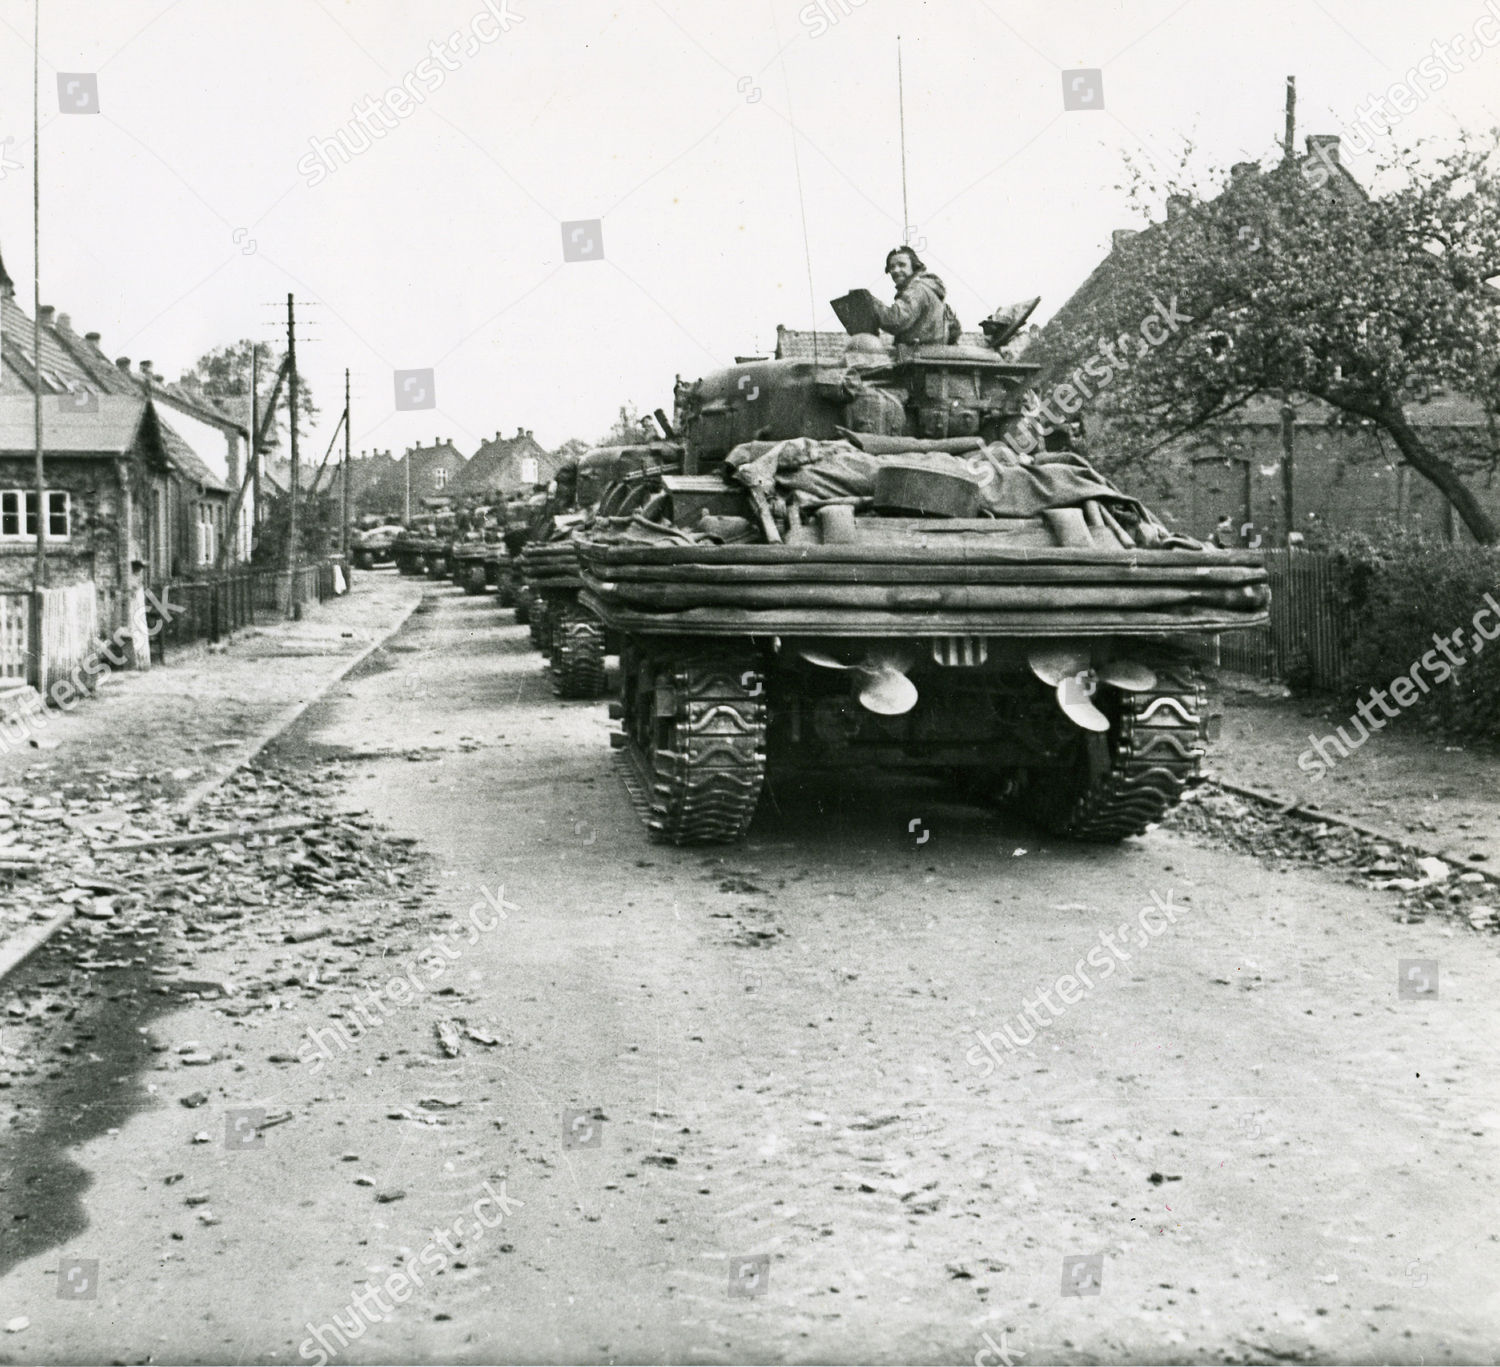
(1402,590)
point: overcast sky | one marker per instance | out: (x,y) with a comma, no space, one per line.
(178,216)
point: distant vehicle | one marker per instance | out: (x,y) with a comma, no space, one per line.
(374,545)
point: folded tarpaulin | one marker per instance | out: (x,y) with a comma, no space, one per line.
(823,471)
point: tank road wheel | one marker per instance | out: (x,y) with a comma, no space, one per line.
(577,654)
(695,740)
(1132,775)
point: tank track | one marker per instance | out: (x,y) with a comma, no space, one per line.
(1156,748)
(540,623)
(699,778)
(577,654)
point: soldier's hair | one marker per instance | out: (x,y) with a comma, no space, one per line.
(917,264)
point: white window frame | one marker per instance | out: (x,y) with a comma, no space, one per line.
(12,501)
(207,534)
(529,470)
(440,476)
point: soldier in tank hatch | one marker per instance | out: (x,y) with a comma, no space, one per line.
(920,312)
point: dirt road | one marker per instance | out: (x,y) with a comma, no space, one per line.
(730,1105)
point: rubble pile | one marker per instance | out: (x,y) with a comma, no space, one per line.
(267,860)
(1427,886)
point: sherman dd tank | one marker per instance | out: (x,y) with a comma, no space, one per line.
(855,571)
(611,481)
(497,561)
(467,558)
(518,520)
(412,547)
(558,510)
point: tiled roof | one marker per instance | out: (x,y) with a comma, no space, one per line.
(795,345)
(59,368)
(185,459)
(109,430)
(71,361)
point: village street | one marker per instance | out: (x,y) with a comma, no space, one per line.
(641,1103)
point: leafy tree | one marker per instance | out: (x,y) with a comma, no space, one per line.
(1293,279)
(629,426)
(225,374)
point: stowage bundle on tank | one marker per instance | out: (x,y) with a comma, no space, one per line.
(853,569)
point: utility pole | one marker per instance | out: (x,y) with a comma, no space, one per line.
(344,519)
(39,570)
(295,603)
(254,446)
(1288,414)
(406,461)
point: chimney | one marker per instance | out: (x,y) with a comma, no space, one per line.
(45,313)
(93,338)
(1121,236)
(520,432)
(64,323)
(124,363)
(146,369)
(1242,168)
(1324,146)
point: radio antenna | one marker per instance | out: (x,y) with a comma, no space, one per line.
(901,106)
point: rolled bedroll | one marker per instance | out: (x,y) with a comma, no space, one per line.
(933,597)
(886,572)
(865,622)
(940,549)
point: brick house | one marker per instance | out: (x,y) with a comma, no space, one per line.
(435,470)
(1344,477)
(129,505)
(378,484)
(508,466)
(201,444)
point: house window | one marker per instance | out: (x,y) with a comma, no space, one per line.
(528,470)
(59,515)
(208,535)
(440,477)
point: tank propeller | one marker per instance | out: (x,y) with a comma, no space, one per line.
(1070,671)
(880,678)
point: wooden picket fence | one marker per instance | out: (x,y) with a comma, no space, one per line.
(69,621)
(76,620)
(1310,628)
(15,628)
(69,633)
